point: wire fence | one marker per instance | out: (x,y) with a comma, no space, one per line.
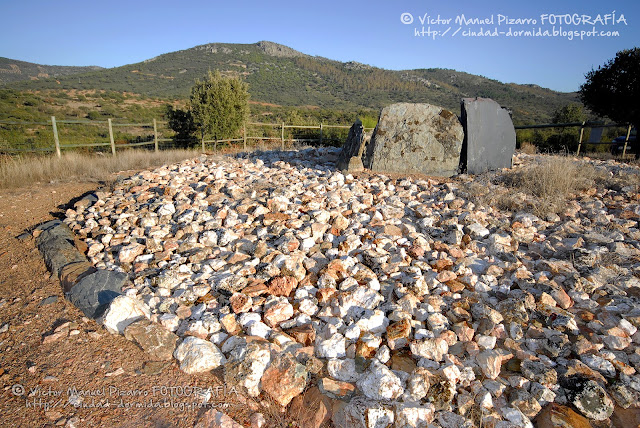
(114,136)
(595,136)
(56,136)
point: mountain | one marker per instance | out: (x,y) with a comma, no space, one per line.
(12,70)
(280,75)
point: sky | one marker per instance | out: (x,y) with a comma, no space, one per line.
(388,34)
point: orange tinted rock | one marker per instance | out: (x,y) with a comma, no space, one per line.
(557,416)
(282,285)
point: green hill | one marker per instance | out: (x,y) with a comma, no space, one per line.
(12,70)
(280,75)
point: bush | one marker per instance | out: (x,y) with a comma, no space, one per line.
(219,105)
(181,122)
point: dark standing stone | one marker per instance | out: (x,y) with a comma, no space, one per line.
(350,158)
(490,138)
(416,138)
(93,293)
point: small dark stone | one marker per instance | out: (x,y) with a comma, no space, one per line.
(23,236)
(49,300)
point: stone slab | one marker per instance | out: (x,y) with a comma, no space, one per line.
(416,139)
(490,138)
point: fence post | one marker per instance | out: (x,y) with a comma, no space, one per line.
(282,136)
(244,137)
(580,141)
(626,140)
(55,136)
(113,145)
(155,135)
(321,133)
(202,140)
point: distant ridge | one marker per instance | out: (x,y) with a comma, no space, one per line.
(278,74)
(12,70)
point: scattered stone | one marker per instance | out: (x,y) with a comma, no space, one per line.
(48,301)
(123,311)
(399,294)
(555,415)
(336,389)
(588,397)
(284,379)
(158,342)
(380,383)
(312,409)
(197,355)
(216,419)
(246,370)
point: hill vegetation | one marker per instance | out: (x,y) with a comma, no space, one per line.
(12,70)
(280,75)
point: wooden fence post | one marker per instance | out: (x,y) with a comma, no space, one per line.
(580,141)
(113,145)
(282,136)
(202,140)
(320,133)
(626,140)
(244,137)
(56,140)
(155,135)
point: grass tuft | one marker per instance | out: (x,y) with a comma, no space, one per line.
(542,188)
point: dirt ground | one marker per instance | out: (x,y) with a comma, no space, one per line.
(117,386)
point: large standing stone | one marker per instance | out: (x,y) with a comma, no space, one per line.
(416,138)
(490,138)
(350,158)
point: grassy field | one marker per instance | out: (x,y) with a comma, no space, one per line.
(16,172)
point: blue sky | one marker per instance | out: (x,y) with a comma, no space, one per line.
(120,32)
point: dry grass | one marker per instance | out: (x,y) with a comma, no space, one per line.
(528,148)
(29,170)
(542,188)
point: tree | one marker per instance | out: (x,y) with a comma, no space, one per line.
(567,139)
(181,122)
(613,90)
(570,113)
(219,105)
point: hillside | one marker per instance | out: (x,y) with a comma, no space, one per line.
(280,75)
(12,70)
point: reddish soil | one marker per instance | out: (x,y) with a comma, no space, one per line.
(85,361)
